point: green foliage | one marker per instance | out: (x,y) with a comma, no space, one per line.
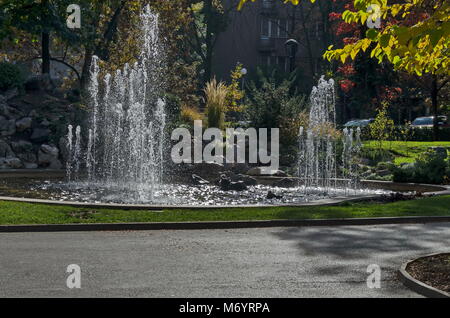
(189,114)
(418,42)
(268,100)
(275,103)
(10,76)
(376,155)
(397,151)
(430,167)
(381,128)
(216,97)
(235,93)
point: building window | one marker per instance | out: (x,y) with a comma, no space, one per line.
(274,28)
(265,27)
(279,62)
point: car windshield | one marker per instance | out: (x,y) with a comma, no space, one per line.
(423,121)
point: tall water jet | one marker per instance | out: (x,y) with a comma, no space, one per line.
(318,165)
(317,158)
(127,118)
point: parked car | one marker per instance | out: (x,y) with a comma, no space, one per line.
(427,122)
(358,123)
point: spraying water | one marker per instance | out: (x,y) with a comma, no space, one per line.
(317,158)
(125,137)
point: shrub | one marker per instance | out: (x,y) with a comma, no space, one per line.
(382,165)
(10,76)
(270,100)
(216,97)
(189,114)
(274,103)
(430,167)
(382,127)
(376,155)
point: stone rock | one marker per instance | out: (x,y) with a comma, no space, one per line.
(408,165)
(45,123)
(271,195)
(208,171)
(7,127)
(261,171)
(29,165)
(10,163)
(5,150)
(285,183)
(227,185)
(383,173)
(365,161)
(441,151)
(11,93)
(239,168)
(22,146)
(24,123)
(48,157)
(28,157)
(5,110)
(24,151)
(41,82)
(40,134)
(248,181)
(197,180)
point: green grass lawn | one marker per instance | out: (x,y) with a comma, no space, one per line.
(28,213)
(406,151)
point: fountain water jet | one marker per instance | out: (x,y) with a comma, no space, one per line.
(317,157)
(127,120)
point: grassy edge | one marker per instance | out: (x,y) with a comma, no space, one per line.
(29,213)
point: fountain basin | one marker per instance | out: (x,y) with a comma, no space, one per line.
(14,186)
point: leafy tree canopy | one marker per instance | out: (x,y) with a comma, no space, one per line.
(414,34)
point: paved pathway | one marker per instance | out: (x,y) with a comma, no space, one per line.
(266,262)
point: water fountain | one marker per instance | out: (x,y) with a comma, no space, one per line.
(126,127)
(117,157)
(318,165)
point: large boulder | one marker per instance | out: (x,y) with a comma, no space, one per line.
(41,82)
(262,171)
(197,180)
(23,124)
(40,134)
(24,151)
(248,181)
(285,183)
(10,163)
(11,93)
(5,150)
(9,112)
(48,157)
(21,146)
(441,151)
(226,184)
(7,127)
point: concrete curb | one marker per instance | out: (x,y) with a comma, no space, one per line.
(417,285)
(216,224)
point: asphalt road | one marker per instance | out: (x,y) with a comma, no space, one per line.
(269,262)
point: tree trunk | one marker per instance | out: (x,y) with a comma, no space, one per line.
(45,52)
(85,75)
(434,106)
